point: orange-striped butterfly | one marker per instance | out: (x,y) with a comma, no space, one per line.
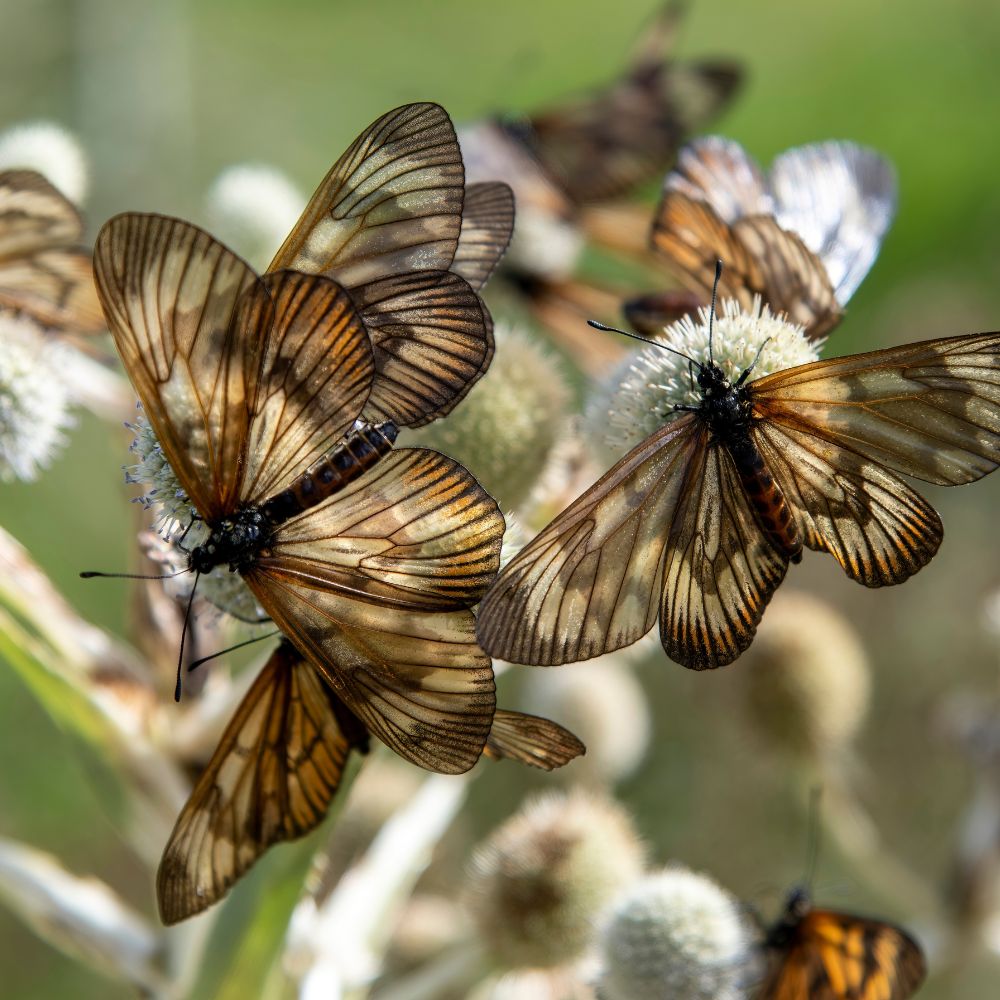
(276,770)
(697,525)
(44,271)
(825,955)
(802,238)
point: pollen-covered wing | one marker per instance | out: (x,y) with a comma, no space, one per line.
(44,271)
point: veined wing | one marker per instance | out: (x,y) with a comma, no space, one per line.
(171,295)
(531,740)
(834,956)
(272,777)
(487,226)
(314,377)
(589,582)
(54,286)
(34,215)
(719,569)
(930,410)
(391,204)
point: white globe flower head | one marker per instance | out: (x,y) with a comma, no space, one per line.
(643,393)
(675,934)
(34,399)
(49,149)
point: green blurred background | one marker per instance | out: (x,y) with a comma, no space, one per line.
(163,95)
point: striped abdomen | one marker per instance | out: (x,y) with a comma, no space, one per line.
(768,502)
(359,451)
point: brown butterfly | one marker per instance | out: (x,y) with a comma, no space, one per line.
(802,238)
(276,770)
(697,525)
(825,955)
(44,272)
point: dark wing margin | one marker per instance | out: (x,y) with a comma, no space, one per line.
(531,740)
(392,203)
(272,777)
(487,226)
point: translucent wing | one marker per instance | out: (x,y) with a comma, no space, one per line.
(373,587)
(171,295)
(840,198)
(392,203)
(589,582)
(719,569)
(487,226)
(930,410)
(54,286)
(314,377)
(433,339)
(272,777)
(833,956)
(531,740)
(34,215)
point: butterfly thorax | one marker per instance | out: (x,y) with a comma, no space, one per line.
(235,540)
(727,409)
(783,932)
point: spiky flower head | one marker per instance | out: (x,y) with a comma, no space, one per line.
(674,934)
(805,679)
(505,428)
(641,395)
(252,207)
(49,149)
(34,400)
(537,885)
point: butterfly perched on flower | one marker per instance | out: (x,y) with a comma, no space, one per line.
(802,237)
(45,272)
(697,524)
(277,768)
(825,955)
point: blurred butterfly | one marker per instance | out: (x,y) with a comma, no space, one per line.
(276,770)
(44,272)
(697,525)
(825,955)
(803,238)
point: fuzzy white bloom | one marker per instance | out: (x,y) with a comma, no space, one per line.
(674,934)
(252,207)
(640,396)
(49,149)
(34,400)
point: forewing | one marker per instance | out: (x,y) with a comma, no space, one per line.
(432,338)
(719,571)
(531,740)
(930,410)
(487,226)
(415,532)
(840,198)
(392,203)
(315,374)
(589,582)
(834,956)
(271,779)
(720,172)
(878,529)
(34,215)
(171,295)
(54,286)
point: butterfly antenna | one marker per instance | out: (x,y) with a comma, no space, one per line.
(239,645)
(812,849)
(711,312)
(645,340)
(92,574)
(184,630)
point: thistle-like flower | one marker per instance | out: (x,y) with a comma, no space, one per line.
(49,149)
(641,395)
(674,934)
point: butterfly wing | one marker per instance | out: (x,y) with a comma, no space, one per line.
(834,956)
(34,215)
(531,740)
(374,585)
(272,777)
(487,226)
(392,203)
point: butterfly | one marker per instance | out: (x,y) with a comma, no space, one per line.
(696,525)
(826,955)
(44,271)
(276,770)
(802,238)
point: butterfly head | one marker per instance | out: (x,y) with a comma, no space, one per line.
(234,541)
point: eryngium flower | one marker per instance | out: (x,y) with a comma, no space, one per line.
(49,149)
